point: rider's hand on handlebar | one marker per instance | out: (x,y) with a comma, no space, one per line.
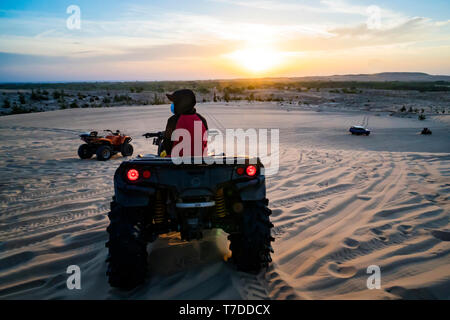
(159,134)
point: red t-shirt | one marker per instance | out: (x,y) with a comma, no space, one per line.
(190,122)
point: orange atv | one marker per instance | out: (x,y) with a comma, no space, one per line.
(104,147)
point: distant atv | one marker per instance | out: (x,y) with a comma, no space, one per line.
(104,147)
(359,130)
(154,196)
(426,131)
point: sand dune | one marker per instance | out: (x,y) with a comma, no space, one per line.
(340,204)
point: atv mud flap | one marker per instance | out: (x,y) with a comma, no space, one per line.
(254,189)
(132,196)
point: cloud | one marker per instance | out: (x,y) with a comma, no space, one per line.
(413,29)
(142,39)
(323,6)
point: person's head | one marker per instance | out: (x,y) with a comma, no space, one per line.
(183,101)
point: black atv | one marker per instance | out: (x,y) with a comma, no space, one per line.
(154,196)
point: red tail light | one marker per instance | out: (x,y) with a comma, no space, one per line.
(133,174)
(251,171)
(146,174)
(240,171)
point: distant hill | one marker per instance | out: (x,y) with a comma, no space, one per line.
(384,76)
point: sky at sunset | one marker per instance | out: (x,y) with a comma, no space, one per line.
(215,39)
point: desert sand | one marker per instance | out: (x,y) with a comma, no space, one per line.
(340,204)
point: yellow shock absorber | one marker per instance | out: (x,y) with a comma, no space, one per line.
(221,210)
(160,208)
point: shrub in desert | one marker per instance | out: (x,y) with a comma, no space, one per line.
(6,103)
(34,96)
(18,110)
(422,117)
(403,109)
(56,94)
(410,109)
(226,96)
(203,90)
(157,99)
(22,98)
(351,90)
(38,96)
(61,99)
(73,105)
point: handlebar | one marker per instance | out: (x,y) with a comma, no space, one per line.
(113,133)
(159,134)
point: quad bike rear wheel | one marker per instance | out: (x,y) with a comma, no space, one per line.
(126,150)
(104,153)
(251,246)
(84,152)
(127,259)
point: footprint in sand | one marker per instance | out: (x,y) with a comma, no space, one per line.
(351,243)
(376,231)
(276,212)
(339,271)
(441,235)
(404,228)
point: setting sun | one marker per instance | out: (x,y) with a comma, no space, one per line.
(256,59)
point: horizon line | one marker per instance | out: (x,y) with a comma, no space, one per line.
(224,79)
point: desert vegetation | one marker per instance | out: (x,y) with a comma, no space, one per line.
(36,97)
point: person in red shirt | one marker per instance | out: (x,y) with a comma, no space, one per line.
(185,117)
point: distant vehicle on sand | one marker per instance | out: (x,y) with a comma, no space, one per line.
(359,130)
(426,131)
(104,147)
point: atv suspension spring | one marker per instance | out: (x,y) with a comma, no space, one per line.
(221,210)
(160,208)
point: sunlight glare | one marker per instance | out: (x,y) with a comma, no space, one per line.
(256,59)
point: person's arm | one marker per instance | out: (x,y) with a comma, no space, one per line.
(170,128)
